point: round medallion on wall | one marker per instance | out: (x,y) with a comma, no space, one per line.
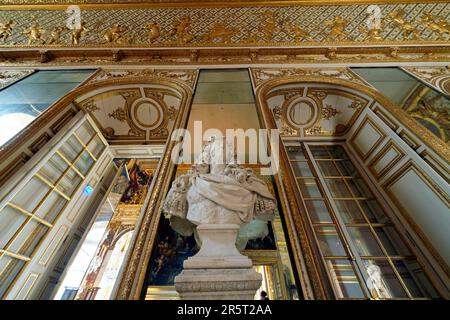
(301,112)
(147,114)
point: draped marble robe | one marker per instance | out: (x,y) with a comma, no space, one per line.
(217,193)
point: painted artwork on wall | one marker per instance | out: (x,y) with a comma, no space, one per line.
(170,249)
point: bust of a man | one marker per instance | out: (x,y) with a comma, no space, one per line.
(218,191)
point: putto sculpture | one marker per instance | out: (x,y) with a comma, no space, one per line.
(217,190)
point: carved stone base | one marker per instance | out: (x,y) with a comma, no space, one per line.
(218,284)
(218,270)
(218,248)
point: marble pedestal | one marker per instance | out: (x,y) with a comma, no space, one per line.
(218,270)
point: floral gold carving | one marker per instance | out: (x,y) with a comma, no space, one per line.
(318,94)
(261,75)
(186,76)
(118,114)
(277,112)
(329,112)
(286,130)
(314,131)
(357,104)
(171,113)
(90,106)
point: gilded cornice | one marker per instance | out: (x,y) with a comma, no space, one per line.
(131,26)
(213,56)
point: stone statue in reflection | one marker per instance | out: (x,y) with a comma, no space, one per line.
(375,282)
(219,191)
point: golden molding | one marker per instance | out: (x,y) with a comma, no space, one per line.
(367,121)
(390,146)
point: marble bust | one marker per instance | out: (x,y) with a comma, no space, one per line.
(217,190)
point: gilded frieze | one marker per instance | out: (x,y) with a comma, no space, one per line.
(23,57)
(319,25)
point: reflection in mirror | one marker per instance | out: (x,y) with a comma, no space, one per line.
(96,267)
(425,104)
(25,100)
